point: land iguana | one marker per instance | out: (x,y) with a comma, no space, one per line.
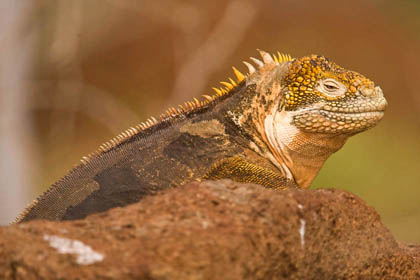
(274,126)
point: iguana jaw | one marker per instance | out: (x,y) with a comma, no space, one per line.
(298,154)
(361,113)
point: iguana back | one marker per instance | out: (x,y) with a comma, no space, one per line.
(274,127)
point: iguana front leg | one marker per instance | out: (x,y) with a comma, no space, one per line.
(239,170)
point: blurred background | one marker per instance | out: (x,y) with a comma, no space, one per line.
(75,73)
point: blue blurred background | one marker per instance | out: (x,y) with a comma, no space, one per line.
(75,73)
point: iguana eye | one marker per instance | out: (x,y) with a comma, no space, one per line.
(331,87)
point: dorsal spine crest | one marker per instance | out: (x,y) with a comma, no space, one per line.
(176,113)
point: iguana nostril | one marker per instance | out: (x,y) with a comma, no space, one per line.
(367,91)
(379,91)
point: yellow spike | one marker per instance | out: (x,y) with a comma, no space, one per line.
(238,75)
(217,91)
(280,57)
(196,101)
(283,57)
(208,97)
(275,58)
(232,82)
(228,85)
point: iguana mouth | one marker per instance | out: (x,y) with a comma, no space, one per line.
(333,122)
(355,110)
(328,114)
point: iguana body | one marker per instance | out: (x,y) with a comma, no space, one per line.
(275,127)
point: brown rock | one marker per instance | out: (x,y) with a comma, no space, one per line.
(214,230)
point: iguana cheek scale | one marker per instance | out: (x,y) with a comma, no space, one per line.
(275,127)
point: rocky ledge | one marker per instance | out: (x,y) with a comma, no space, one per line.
(214,230)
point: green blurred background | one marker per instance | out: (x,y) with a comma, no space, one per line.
(75,73)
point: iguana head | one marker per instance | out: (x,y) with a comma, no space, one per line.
(304,110)
(326,98)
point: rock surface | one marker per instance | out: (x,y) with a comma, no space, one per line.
(214,230)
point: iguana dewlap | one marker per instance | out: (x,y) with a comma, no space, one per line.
(275,126)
